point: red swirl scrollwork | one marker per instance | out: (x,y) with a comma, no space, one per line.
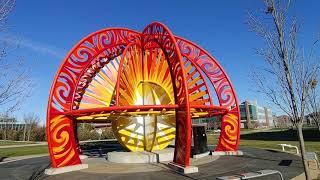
(160,34)
(74,73)
(191,68)
(229,137)
(62,142)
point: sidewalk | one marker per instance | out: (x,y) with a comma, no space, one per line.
(24,145)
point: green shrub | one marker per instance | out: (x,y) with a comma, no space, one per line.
(107,133)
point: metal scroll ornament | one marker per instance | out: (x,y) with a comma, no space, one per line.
(149,85)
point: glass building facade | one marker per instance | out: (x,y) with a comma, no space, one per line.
(252,111)
(259,116)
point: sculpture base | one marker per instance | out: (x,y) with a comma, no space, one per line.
(141,157)
(197,156)
(83,157)
(227,153)
(53,171)
(183,169)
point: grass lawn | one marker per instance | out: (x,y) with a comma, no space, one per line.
(22,151)
(266,139)
(270,139)
(7,143)
(310,146)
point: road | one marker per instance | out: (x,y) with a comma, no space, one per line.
(24,169)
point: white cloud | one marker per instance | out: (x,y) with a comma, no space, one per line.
(21,42)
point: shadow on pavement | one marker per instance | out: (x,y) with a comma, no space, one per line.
(285,163)
(100,149)
(2,158)
(39,173)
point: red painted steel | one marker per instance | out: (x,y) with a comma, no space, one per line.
(157,32)
(61,138)
(191,89)
(119,109)
(230,136)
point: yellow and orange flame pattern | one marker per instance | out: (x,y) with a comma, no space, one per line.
(62,149)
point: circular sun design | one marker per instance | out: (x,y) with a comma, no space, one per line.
(149,85)
(144,80)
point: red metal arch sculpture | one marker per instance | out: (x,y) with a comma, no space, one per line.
(192,72)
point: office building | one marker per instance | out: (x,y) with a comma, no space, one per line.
(255,116)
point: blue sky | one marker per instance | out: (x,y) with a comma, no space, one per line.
(46,30)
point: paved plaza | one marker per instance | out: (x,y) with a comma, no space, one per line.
(209,167)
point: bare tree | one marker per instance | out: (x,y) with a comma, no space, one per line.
(287,73)
(313,106)
(24,132)
(7,124)
(6,7)
(31,121)
(15,84)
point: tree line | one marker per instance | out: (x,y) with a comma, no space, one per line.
(28,130)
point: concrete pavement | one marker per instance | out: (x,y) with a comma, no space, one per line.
(254,159)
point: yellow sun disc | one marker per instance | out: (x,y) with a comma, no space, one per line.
(144,80)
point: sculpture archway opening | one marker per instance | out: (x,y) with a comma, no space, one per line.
(149,85)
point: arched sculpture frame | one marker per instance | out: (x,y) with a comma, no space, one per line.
(192,69)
